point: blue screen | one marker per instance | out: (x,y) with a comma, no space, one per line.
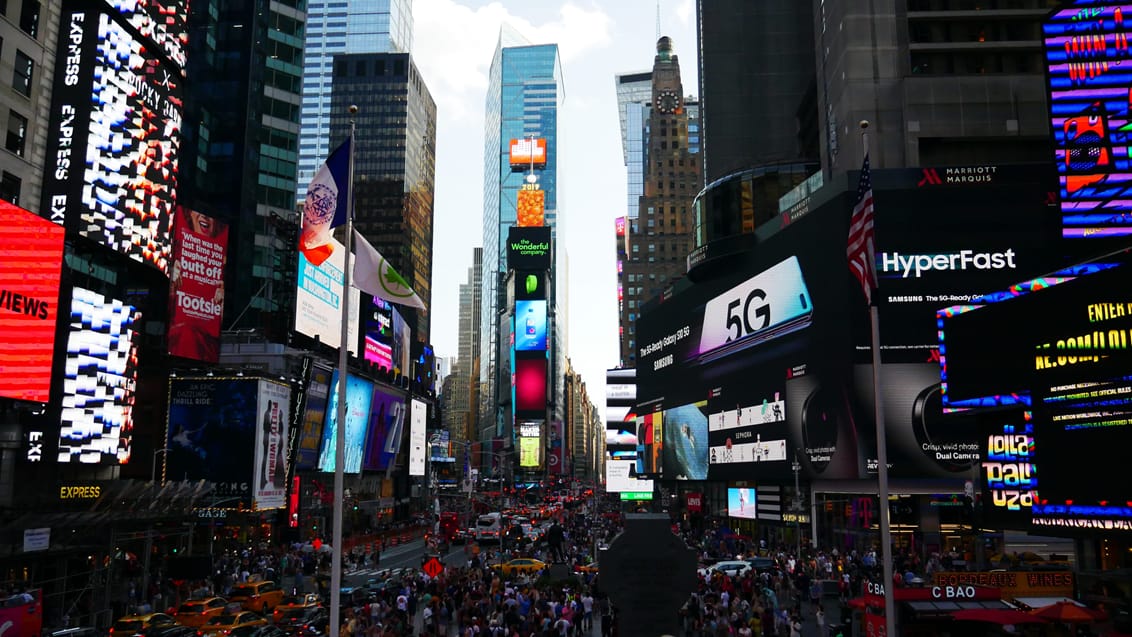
(359,394)
(530,326)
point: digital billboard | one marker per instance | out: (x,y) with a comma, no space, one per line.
(99,380)
(741,503)
(387,423)
(31,254)
(314,415)
(211,433)
(1008,472)
(379,333)
(528,248)
(529,452)
(650,444)
(269,469)
(530,207)
(530,326)
(620,478)
(556,448)
(196,286)
(359,394)
(530,285)
(165,23)
(685,449)
(777,339)
(622,434)
(114,139)
(318,301)
(530,385)
(418,421)
(1089,70)
(527,153)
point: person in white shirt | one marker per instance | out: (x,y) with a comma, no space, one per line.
(587,611)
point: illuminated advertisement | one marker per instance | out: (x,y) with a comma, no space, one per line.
(530,326)
(379,334)
(530,385)
(99,380)
(530,207)
(529,452)
(650,444)
(114,139)
(1008,472)
(619,478)
(165,23)
(386,427)
(528,153)
(777,342)
(530,285)
(359,394)
(1090,72)
(318,301)
(269,469)
(211,433)
(418,421)
(528,248)
(309,440)
(741,503)
(624,434)
(556,448)
(196,286)
(31,253)
(685,449)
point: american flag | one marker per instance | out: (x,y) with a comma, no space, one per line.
(861,250)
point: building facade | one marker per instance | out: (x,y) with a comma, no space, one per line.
(394,164)
(657,241)
(334,27)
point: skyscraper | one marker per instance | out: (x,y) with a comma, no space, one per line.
(334,27)
(394,164)
(524,94)
(461,403)
(658,238)
(634,95)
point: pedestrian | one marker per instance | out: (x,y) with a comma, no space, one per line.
(819,617)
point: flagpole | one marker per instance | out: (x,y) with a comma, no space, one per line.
(882,446)
(340,426)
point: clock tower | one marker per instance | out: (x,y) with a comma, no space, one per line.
(657,241)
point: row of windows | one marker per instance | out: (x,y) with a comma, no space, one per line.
(29,15)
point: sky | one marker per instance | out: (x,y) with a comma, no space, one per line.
(453,43)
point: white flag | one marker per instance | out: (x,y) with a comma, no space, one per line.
(373,274)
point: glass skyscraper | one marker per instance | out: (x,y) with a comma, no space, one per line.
(634,95)
(334,27)
(524,94)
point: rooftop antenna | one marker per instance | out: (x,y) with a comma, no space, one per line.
(657,19)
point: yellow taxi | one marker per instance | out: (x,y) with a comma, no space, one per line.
(136,624)
(293,602)
(224,623)
(259,596)
(528,565)
(196,612)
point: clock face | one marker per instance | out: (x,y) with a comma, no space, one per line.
(667,102)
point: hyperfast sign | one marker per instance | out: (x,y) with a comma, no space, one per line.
(906,266)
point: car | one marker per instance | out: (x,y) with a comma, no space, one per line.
(586,568)
(296,619)
(292,602)
(762,564)
(726,567)
(527,565)
(261,596)
(224,624)
(132,625)
(198,611)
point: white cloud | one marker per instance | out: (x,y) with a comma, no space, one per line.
(686,11)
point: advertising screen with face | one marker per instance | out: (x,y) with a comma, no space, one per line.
(211,433)
(196,286)
(269,470)
(99,380)
(31,253)
(114,139)
(359,394)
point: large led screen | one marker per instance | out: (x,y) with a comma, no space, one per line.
(269,469)
(165,23)
(528,248)
(114,139)
(379,334)
(211,434)
(31,253)
(314,415)
(530,385)
(1090,73)
(650,444)
(741,503)
(620,477)
(777,342)
(359,395)
(386,427)
(196,286)
(530,208)
(529,449)
(530,326)
(418,420)
(685,449)
(318,301)
(99,380)
(1008,472)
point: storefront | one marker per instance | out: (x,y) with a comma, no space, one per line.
(927,611)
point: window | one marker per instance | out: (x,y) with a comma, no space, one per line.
(29,18)
(17,133)
(10,188)
(21,74)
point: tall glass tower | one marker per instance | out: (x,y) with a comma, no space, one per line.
(524,94)
(333,27)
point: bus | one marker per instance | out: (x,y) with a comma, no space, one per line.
(489,527)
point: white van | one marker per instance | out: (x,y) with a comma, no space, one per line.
(489,527)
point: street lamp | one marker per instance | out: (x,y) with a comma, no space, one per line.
(153,465)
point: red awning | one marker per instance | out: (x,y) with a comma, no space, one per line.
(1002,617)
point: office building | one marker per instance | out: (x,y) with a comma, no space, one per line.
(634,95)
(334,27)
(394,164)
